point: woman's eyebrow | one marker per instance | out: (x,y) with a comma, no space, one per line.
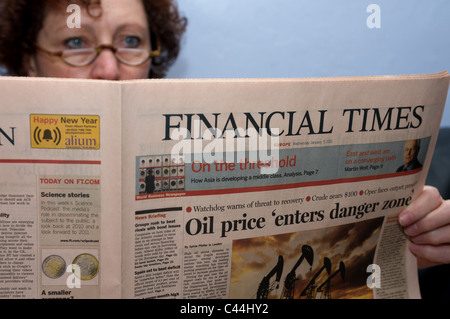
(65,28)
(133,25)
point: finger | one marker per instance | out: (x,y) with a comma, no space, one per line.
(435,237)
(429,255)
(428,200)
(436,219)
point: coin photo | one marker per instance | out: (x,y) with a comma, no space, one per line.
(54,266)
(88,266)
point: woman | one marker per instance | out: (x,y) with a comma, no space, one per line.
(154,29)
(117,29)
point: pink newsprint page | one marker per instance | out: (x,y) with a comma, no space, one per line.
(221,188)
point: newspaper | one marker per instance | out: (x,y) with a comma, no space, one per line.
(212,188)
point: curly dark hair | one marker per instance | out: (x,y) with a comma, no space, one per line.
(21,21)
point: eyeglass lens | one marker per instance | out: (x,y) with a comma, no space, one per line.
(81,57)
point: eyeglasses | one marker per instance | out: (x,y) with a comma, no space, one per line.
(84,57)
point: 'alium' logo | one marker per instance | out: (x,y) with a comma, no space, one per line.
(50,136)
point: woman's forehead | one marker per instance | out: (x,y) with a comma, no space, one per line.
(114,14)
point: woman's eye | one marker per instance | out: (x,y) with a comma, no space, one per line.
(74,43)
(132,42)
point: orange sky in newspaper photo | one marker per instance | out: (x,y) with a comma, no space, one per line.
(352,244)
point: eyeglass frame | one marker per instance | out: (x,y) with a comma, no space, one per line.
(98,50)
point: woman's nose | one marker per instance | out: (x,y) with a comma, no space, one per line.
(106,67)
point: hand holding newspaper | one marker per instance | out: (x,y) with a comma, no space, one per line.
(263,188)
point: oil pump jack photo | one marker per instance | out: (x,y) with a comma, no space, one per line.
(265,287)
(291,278)
(324,290)
(311,291)
(306,265)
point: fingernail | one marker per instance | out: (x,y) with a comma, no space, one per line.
(404,219)
(418,239)
(414,248)
(411,230)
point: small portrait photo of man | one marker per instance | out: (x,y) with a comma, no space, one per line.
(410,153)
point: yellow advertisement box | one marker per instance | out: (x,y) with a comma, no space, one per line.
(65,131)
